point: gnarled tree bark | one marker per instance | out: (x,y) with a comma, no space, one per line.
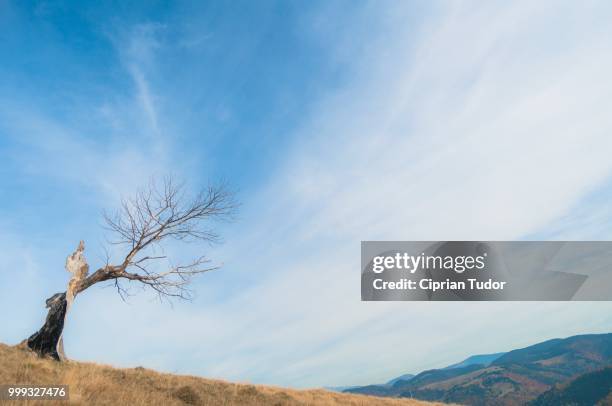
(48,340)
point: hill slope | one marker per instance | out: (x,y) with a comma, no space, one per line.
(103,385)
(593,388)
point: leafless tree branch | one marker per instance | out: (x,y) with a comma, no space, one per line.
(154,215)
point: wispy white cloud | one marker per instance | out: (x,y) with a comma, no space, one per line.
(491,127)
(486,122)
(130,149)
(138,56)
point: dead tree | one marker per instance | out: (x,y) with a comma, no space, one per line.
(139,229)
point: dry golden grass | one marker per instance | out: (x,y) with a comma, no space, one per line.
(93,384)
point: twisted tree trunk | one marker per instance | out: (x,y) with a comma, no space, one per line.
(48,342)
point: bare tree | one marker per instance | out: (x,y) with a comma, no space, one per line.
(139,229)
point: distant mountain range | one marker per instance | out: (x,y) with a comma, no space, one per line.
(405,377)
(536,373)
(483,359)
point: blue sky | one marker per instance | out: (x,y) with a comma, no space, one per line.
(336,122)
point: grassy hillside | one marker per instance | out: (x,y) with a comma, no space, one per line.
(103,385)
